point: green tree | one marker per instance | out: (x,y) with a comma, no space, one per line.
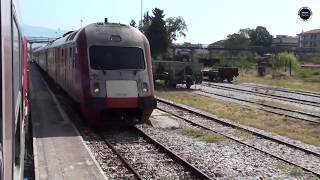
(175,28)
(260,37)
(157,33)
(237,41)
(245,32)
(146,22)
(133,23)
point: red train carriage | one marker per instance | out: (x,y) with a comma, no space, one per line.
(106,68)
(14,89)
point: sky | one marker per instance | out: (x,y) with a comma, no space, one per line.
(207,20)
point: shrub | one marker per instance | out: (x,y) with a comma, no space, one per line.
(284,61)
(313,58)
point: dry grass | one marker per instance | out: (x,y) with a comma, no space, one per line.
(291,128)
(291,83)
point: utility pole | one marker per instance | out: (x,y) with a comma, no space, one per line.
(81,21)
(141,14)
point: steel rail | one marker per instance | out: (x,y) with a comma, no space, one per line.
(194,170)
(272,96)
(123,160)
(272,107)
(236,140)
(300,92)
(233,125)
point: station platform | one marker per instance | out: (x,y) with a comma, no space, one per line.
(59,151)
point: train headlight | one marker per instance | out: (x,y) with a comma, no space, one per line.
(96,88)
(145,87)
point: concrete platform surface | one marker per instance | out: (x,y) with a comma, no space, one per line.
(59,150)
(163,120)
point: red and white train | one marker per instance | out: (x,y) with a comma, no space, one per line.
(14,89)
(106,68)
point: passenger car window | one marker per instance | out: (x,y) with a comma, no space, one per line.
(16,63)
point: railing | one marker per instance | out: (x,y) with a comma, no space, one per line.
(32,40)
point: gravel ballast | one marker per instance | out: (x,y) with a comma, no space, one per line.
(279,150)
(145,157)
(229,160)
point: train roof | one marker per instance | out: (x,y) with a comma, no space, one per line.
(128,35)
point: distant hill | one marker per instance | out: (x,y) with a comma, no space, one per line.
(37,31)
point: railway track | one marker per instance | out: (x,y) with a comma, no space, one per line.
(117,164)
(299,92)
(300,115)
(261,94)
(103,143)
(134,143)
(114,161)
(200,114)
(106,155)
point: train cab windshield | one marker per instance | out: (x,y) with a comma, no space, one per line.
(115,58)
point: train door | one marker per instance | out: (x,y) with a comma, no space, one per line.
(6,88)
(56,54)
(58,60)
(75,74)
(46,61)
(1,157)
(62,66)
(18,139)
(11,89)
(66,59)
(69,70)
(65,63)
(49,62)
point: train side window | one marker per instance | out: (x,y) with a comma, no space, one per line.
(15,58)
(21,61)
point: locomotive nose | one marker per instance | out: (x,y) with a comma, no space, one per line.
(122,93)
(122,89)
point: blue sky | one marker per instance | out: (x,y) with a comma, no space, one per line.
(207,20)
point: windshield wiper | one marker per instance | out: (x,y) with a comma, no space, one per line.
(104,72)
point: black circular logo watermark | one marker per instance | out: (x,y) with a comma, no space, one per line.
(305,13)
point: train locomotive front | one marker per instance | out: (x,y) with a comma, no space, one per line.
(117,74)
(106,68)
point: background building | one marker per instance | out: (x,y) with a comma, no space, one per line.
(285,41)
(310,39)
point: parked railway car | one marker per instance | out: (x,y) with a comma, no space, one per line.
(214,72)
(14,89)
(106,68)
(177,72)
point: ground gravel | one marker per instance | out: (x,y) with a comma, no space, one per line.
(228,160)
(293,155)
(145,157)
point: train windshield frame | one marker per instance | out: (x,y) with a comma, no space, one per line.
(116,58)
